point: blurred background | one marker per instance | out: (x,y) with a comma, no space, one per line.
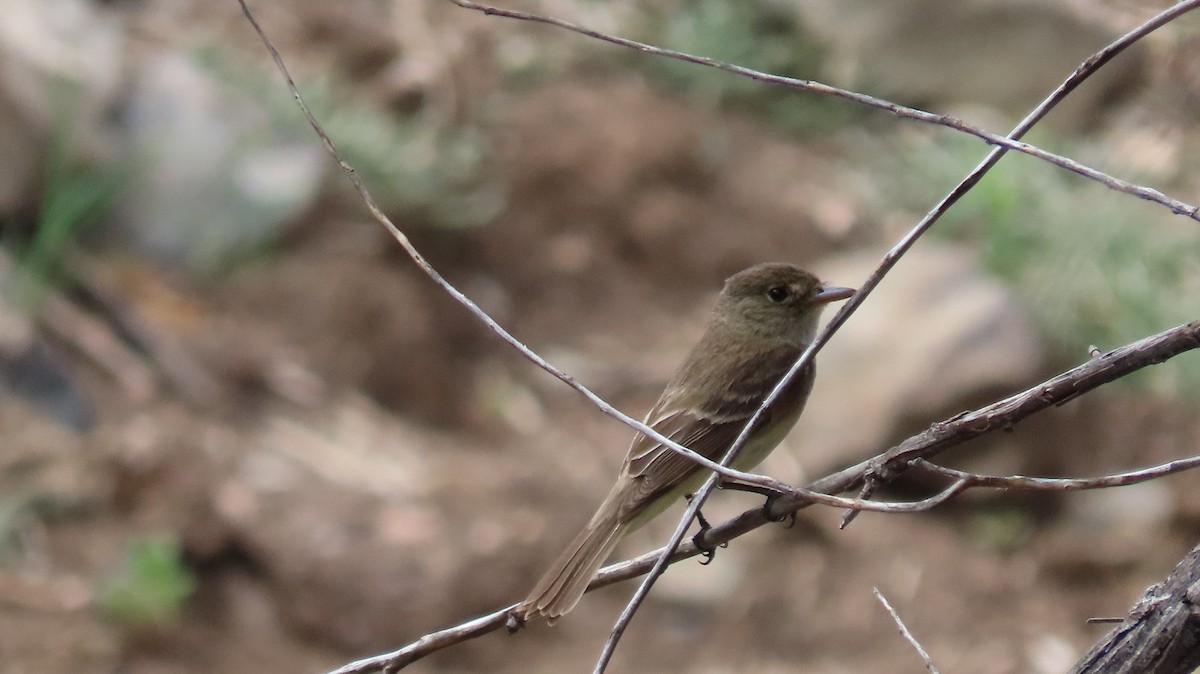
(240,432)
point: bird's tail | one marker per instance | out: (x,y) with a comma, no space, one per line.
(565,582)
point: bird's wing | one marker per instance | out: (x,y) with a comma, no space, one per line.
(709,429)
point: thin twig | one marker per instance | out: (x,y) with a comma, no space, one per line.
(904,632)
(1142,192)
(1085,70)
(936,439)
(1025,483)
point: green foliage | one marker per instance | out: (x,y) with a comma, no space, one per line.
(151,590)
(1000,530)
(75,196)
(412,166)
(413,163)
(1094,266)
(757,34)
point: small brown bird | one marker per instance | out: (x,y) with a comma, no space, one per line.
(764,319)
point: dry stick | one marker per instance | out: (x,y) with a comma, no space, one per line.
(423,264)
(1085,70)
(1026,483)
(1149,194)
(964,481)
(904,632)
(937,438)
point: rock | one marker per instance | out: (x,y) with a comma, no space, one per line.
(366,526)
(217,175)
(60,70)
(39,376)
(934,339)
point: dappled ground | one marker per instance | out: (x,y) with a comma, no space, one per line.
(348,460)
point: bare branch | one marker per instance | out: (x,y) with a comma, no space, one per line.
(908,636)
(1062,483)
(1011,143)
(936,439)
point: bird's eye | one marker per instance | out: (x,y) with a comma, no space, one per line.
(778,294)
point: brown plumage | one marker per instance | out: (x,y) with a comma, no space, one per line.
(763,320)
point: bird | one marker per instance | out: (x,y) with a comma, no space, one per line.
(763,320)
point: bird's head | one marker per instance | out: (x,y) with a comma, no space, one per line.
(776,301)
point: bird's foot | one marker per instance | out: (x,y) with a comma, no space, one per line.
(707,551)
(515,621)
(770,495)
(789,517)
(704,525)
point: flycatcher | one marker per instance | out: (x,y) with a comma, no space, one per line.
(764,319)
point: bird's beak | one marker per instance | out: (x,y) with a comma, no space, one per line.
(829,293)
